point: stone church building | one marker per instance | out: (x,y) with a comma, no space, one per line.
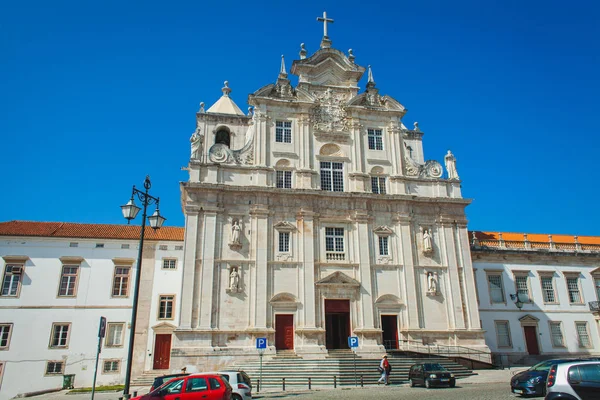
(314,217)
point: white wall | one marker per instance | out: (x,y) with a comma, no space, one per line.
(38,307)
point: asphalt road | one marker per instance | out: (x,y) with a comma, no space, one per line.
(490,391)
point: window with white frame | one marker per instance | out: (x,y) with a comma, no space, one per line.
(583,335)
(166,304)
(573,289)
(60,335)
(55,367)
(503,334)
(111,366)
(114,334)
(548,293)
(557,336)
(378,184)
(121,282)
(496,288)
(334,243)
(383,246)
(375,137)
(68,281)
(283,179)
(597,283)
(283,131)
(169,263)
(5,333)
(284,242)
(11,282)
(522,287)
(332,176)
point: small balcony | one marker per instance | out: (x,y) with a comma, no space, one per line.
(331,256)
(594,306)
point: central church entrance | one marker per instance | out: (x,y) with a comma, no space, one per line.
(337,324)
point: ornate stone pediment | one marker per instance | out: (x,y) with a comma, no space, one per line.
(284,226)
(529,320)
(383,231)
(338,279)
(388,301)
(375,100)
(328,67)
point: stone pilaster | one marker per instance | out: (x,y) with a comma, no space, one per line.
(449,258)
(307,261)
(204,298)
(404,232)
(361,219)
(259,215)
(192,229)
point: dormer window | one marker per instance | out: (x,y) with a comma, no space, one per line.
(223,137)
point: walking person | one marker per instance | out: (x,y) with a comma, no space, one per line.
(385,368)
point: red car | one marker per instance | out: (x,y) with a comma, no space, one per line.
(192,387)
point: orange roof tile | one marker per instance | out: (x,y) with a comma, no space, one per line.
(88,231)
(534,237)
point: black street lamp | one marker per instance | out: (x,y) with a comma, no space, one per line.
(519,299)
(130,210)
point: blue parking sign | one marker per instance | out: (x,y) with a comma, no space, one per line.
(261,343)
(352,341)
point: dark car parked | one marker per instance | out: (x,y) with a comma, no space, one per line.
(161,380)
(532,382)
(430,374)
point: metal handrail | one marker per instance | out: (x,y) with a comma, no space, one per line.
(439,349)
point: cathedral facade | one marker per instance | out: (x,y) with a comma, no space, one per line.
(314,217)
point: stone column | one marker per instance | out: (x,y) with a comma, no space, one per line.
(464,256)
(306,254)
(405,237)
(361,219)
(395,140)
(259,214)
(204,297)
(192,230)
(449,258)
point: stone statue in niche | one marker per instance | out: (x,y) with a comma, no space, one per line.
(431,283)
(451,166)
(234,280)
(196,144)
(235,232)
(427,242)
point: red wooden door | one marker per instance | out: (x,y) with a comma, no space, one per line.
(162,351)
(389,325)
(284,332)
(531,340)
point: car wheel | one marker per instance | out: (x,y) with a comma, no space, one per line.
(236,396)
(427,383)
(412,383)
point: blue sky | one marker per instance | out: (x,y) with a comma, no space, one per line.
(95,95)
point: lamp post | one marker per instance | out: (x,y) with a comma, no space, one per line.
(518,299)
(130,211)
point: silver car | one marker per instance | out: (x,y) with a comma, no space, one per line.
(240,383)
(578,380)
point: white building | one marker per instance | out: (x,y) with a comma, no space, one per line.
(558,280)
(58,279)
(316,218)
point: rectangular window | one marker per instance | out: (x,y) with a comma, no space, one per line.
(179,247)
(548,289)
(375,139)
(283,131)
(597,283)
(378,184)
(73,244)
(573,288)
(165,307)
(121,282)
(582,334)
(284,242)
(332,176)
(503,334)
(5,332)
(284,179)
(114,334)
(557,336)
(334,239)
(496,288)
(522,287)
(163,247)
(11,283)
(383,246)
(68,281)
(55,367)
(60,335)
(99,245)
(124,246)
(169,263)
(111,366)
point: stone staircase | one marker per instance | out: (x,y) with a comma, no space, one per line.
(338,364)
(147,377)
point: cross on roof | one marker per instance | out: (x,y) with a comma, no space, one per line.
(325,20)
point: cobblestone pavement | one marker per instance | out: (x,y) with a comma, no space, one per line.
(489,391)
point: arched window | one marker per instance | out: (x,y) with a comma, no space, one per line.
(222,137)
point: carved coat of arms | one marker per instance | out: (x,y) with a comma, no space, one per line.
(329,115)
